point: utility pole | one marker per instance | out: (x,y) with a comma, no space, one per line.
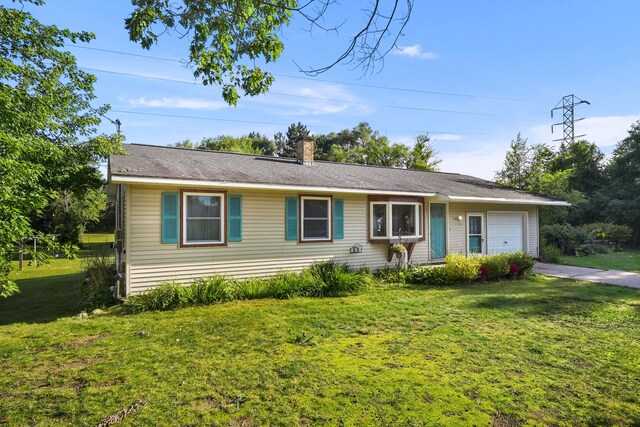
(567,104)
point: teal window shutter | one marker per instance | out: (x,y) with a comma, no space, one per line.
(235,218)
(170,228)
(338,219)
(291,215)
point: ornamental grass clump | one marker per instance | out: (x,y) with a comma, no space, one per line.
(323,279)
(329,278)
(96,290)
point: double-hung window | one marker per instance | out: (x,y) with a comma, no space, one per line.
(203,218)
(315,218)
(395,220)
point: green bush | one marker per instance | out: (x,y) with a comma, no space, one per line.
(606,232)
(96,289)
(564,236)
(435,276)
(391,275)
(462,269)
(333,279)
(494,267)
(550,253)
(592,249)
(320,280)
(523,260)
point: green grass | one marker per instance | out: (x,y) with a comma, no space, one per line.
(628,260)
(97,238)
(540,351)
(50,291)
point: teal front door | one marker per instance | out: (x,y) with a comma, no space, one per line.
(438,231)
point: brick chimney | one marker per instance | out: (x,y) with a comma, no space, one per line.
(305,151)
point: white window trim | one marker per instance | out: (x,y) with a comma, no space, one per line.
(389,206)
(328,199)
(223,236)
(482,233)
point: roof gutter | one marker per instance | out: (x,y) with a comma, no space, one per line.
(505,200)
(120,179)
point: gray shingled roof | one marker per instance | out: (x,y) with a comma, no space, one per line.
(150,161)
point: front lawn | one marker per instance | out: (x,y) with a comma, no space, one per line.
(628,260)
(536,351)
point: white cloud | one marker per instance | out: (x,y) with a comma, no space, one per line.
(184,103)
(313,99)
(603,131)
(414,51)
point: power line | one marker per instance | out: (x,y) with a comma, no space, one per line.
(370,86)
(401,107)
(216,119)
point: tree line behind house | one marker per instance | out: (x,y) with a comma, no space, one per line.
(601,190)
(361,145)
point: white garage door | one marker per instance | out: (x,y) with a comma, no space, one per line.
(505,232)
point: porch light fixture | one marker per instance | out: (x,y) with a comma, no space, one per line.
(459,218)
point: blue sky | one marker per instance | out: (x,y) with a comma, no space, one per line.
(496,68)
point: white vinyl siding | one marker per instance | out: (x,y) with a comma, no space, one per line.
(262,251)
(457,229)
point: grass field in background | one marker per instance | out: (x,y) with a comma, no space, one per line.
(627,260)
(52,290)
(539,351)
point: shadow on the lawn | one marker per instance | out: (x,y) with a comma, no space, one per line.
(42,299)
(557,296)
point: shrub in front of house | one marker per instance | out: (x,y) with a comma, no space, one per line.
(459,269)
(462,269)
(394,274)
(522,260)
(494,267)
(432,276)
(329,278)
(323,279)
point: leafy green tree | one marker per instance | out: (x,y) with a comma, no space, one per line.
(70,214)
(226,35)
(620,199)
(586,161)
(423,155)
(183,144)
(262,144)
(515,172)
(229,144)
(289,146)
(46,126)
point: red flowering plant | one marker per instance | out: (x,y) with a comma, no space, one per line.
(483,272)
(513,270)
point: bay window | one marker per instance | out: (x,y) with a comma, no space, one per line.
(395,220)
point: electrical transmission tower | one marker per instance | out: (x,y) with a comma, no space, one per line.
(567,104)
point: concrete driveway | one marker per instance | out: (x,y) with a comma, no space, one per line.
(613,277)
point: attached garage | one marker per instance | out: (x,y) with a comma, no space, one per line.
(506,232)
